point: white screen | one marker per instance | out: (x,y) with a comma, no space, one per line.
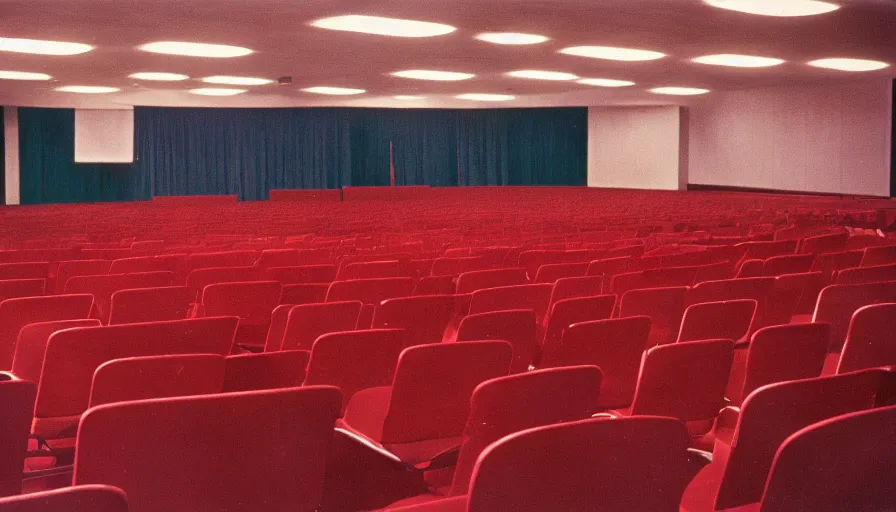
(104,136)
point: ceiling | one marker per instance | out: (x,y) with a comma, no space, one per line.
(286,45)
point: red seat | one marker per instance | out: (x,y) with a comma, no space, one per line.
(792,294)
(26,270)
(610,267)
(252,301)
(654,278)
(355,360)
(102,287)
(765,250)
(862,275)
(270,258)
(551,273)
(572,287)
(17,403)
(777,354)
(620,465)
(837,303)
(32,344)
(199,260)
(572,311)
(305,323)
(730,320)
(298,294)
(664,306)
(271,370)
(517,327)
(536,297)
(424,319)
(873,256)
(532,260)
(839,479)
(372,270)
(140,378)
(744,452)
(870,340)
(824,243)
(786,264)
(68,269)
(73,355)
(17,313)
(198,279)
(370,291)
(302,274)
(424,411)
(469,282)
(17,288)
(279,317)
(160,263)
(454,266)
(160,452)
(80,498)
(435,285)
(150,305)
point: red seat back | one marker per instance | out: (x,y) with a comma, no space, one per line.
(664,306)
(271,370)
(68,269)
(17,313)
(572,311)
(305,323)
(160,263)
(572,287)
(81,498)
(870,340)
(17,403)
(424,319)
(25,270)
(517,327)
(536,297)
(469,282)
(302,274)
(298,294)
(551,273)
(873,256)
(102,287)
(150,304)
(837,303)
(140,378)
(866,274)
(370,291)
(16,288)
(32,345)
(730,320)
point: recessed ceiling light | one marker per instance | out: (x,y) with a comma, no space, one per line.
(511,38)
(849,64)
(679,91)
(429,74)
(738,61)
(384,26)
(218,51)
(776,7)
(216,91)
(484,97)
(236,80)
(40,47)
(605,82)
(23,75)
(405,97)
(612,53)
(338,91)
(87,89)
(542,75)
(159,77)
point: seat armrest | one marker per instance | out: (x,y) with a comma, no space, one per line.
(6,376)
(728,418)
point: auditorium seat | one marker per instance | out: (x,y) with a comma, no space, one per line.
(819,244)
(25,270)
(595,464)
(370,291)
(80,498)
(199,260)
(572,287)
(372,270)
(610,267)
(536,297)
(517,327)
(792,295)
(472,281)
(68,269)
(664,306)
(17,403)
(198,279)
(277,258)
(301,274)
(424,411)
(156,263)
(866,274)
(746,441)
(17,313)
(102,287)
(271,370)
(299,294)
(140,378)
(251,301)
(435,285)
(150,304)
(615,346)
(17,288)
(307,322)
(837,303)
(355,360)
(424,319)
(730,320)
(870,339)
(653,278)
(160,452)
(874,256)
(552,272)
(31,345)
(571,311)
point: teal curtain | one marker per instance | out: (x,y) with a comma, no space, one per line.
(49,173)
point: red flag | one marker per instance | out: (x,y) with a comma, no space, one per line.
(391,166)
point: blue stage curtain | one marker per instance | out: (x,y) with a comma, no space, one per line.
(49,173)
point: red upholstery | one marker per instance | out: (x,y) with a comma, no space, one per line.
(839,479)
(302,274)
(837,303)
(277,258)
(824,243)
(80,498)
(17,313)
(572,287)
(305,323)
(570,311)
(25,270)
(167,454)
(664,306)
(218,259)
(16,288)
(68,269)
(536,297)
(866,274)
(248,372)
(454,266)
(139,378)
(831,262)
(372,270)
(718,320)
(873,256)
(298,294)
(32,344)
(150,305)
(654,278)
(769,416)
(160,263)
(614,466)
(425,409)
(765,250)
(870,340)
(533,260)
(777,354)
(73,355)
(16,402)
(198,279)
(355,360)
(435,285)
(469,282)
(370,291)
(610,266)
(424,319)
(279,317)
(551,273)
(664,389)
(102,287)
(517,326)
(792,294)
(251,301)
(615,346)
